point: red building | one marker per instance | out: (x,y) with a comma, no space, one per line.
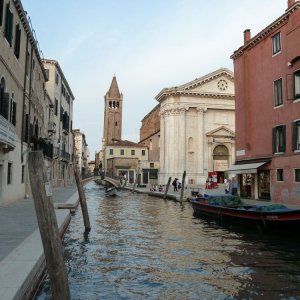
(267,91)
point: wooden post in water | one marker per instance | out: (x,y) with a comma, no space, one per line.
(167,188)
(53,250)
(85,213)
(182,186)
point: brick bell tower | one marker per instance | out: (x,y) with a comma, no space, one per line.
(113,103)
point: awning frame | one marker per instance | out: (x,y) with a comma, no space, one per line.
(245,168)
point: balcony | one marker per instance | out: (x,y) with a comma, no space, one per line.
(7,135)
(65,155)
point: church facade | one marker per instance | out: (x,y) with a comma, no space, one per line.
(197,128)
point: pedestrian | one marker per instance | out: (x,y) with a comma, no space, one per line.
(234,186)
(175,184)
(227,185)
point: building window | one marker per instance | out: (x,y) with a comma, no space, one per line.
(1,11)
(56,78)
(276,43)
(279,174)
(278,92)
(296,135)
(132,152)
(122,152)
(297,84)
(9,170)
(152,165)
(23,174)
(56,107)
(12,110)
(27,64)
(279,139)
(4,100)
(297,175)
(111,151)
(17,41)
(8,31)
(143,152)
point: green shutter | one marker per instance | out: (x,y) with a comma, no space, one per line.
(8,25)
(283,138)
(14,114)
(5,105)
(1,12)
(17,41)
(274,139)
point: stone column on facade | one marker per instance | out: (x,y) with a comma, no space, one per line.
(201,157)
(182,141)
(210,155)
(162,149)
(200,121)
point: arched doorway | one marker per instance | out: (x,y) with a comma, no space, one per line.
(220,161)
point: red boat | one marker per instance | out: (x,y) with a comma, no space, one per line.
(273,216)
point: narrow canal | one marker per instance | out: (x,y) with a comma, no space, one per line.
(142,247)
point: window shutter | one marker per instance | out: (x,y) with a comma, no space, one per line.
(5,105)
(290,92)
(274,139)
(294,136)
(14,119)
(283,139)
(61,114)
(1,11)
(26,128)
(8,25)
(17,41)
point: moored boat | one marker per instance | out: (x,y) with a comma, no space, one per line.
(110,191)
(273,216)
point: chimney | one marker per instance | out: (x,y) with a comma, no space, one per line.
(247,36)
(291,3)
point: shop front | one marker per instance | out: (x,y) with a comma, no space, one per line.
(253,183)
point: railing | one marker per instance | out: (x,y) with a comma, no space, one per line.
(7,133)
(64,155)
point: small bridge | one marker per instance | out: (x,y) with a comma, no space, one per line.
(113,182)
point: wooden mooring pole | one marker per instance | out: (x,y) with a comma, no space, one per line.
(167,188)
(182,186)
(84,209)
(53,250)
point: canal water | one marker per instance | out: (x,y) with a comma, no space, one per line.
(141,247)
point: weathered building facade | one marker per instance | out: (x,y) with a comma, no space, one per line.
(149,137)
(267,83)
(81,153)
(125,158)
(197,126)
(22,100)
(60,125)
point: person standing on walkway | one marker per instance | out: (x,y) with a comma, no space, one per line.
(234,186)
(175,184)
(227,185)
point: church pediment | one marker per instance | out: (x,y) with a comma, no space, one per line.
(218,83)
(220,132)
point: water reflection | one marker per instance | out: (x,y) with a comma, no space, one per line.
(146,248)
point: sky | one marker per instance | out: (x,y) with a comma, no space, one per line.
(148,44)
